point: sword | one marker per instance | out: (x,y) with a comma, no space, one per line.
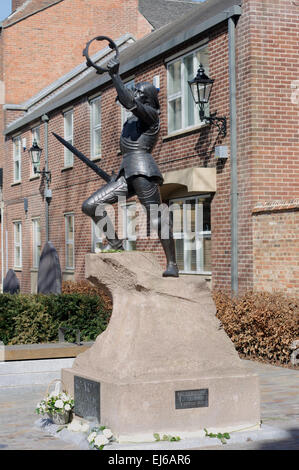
(84,159)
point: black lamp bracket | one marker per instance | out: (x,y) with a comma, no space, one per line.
(214,120)
(45,174)
(219,122)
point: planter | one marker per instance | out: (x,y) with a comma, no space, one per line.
(59,418)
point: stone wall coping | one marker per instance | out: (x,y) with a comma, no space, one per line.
(274,206)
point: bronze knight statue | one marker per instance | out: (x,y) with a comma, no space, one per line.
(138,174)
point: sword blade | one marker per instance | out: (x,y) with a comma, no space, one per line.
(84,159)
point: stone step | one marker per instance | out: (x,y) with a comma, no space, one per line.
(17,373)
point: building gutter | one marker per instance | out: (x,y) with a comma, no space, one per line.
(233,154)
(96,82)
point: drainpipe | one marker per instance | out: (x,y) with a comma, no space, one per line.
(45,119)
(233,155)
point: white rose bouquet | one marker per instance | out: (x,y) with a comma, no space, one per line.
(55,403)
(99,437)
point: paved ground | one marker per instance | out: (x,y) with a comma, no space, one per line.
(279,408)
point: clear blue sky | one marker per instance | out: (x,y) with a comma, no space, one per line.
(5,9)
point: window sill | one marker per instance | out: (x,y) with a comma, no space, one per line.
(35,177)
(34,270)
(199,273)
(18,270)
(94,159)
(16,183)
(66,168)
(69,271)
(184,132)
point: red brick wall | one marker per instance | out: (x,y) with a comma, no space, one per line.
(46,45)
(276,247)
(16,4)
(267,65)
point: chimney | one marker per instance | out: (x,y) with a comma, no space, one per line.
(16,4)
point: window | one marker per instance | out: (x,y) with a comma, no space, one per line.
(97,239)
(182,111)
(17,159)
(69,241)
(36,242)
(125,114)
(35,135)
(95,127)
(17,244)
(192,233)
(68,136)
(129,225)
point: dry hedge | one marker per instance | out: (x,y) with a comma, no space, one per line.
(261,325)
(85,287)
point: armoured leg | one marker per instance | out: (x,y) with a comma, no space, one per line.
(148,193)
(94,207)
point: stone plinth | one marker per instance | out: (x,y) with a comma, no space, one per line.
(164,363)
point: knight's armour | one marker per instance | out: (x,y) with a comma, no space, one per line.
(138,138)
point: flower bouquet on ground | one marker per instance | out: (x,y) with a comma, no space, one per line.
(57,406)
(99,437)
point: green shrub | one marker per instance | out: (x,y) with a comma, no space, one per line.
(262,325)
(36,318)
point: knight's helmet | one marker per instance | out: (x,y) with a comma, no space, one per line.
(150,92)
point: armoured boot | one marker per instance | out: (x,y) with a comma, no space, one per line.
(172,269)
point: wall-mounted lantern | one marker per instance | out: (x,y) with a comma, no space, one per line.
(201,88)
(35,153)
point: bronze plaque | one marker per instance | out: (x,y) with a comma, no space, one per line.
(87,398)
(191,398)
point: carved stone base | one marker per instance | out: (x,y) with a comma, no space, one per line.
(164,363)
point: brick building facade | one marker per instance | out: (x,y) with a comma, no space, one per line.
(250,51)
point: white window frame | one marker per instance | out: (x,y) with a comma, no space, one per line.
(95,127)
(200,233)
(18,245)
(97,244)
(68,156)
(17,157)
(35,135)
(69,266)
(184,86)
(36,247)
(129,239)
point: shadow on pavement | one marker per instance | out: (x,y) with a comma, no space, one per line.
(290,443)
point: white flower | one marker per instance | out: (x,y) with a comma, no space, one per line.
(85,427)
(67,407)
(101,441)
(58,404)
(91,436)
(74,426)
(107,433)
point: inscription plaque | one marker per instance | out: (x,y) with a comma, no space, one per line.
(191,398)
(87,398)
